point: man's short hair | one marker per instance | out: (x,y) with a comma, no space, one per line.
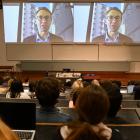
(43,8)
(114,8)
(47,91)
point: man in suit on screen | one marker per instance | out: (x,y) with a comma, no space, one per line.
(113,21)
(43,19)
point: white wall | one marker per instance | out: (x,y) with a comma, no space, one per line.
(135,67)
(105,60)
(3,58)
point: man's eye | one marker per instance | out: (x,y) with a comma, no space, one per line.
(43,17)
(117,17)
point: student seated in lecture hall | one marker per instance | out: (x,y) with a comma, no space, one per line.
(115,99)
(47,93)
(16,90)
(92,100)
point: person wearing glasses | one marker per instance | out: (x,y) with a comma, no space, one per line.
(113,21)
(43,19)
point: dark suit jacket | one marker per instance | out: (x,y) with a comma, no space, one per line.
(122,39)
(52,38)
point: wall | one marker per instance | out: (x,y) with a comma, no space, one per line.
(128,60)
(3,58)
(75,66)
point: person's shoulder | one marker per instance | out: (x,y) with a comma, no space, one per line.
(30,38)
(98,39)
(125,38)
(65,117)
(51,116)
(56,38)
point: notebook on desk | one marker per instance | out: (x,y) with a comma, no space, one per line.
(19,114)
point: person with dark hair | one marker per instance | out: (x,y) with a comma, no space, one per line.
(113,19)
(115,99)
(32,87)
(136,92)
(77,84)
(47,93)
(16,90)
(92,106)
(43,19)
(118,83)
(75,94)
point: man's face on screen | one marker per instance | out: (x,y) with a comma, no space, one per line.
(113,20)
(43,20)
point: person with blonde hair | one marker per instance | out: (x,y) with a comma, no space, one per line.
(95,82)
(6,133)
(77,84)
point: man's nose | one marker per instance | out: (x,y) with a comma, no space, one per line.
(114,20)
(44,19)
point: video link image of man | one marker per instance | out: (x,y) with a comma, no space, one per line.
(43,19)
(113,21)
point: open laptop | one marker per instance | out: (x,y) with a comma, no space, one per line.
(19,114)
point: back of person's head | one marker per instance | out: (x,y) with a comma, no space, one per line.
(95,82)
(86,83)
(117,82)
(32,86)
(92,104)
(131,82)
(137,82)
(136,92)
(75,95)
(6,133)
(47,91)
(15,88)
(84,132)
(115,98)
(77,84)
(68,83)
(106,84)
(26,80)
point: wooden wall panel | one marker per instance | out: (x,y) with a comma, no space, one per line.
(124,77)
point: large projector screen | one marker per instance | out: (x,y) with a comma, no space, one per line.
(72,22)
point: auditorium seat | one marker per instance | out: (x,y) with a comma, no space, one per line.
(2,95)
(46,131)
(129,115)
(62,103)
(128,96)
(69,111)
(130,103)
(129,132)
